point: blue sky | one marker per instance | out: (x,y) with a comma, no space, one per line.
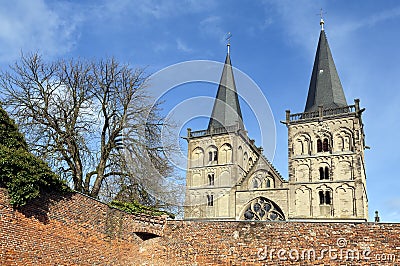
(274,42)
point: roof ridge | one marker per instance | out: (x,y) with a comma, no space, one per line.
(273,167)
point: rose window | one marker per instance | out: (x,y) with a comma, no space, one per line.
(262,209)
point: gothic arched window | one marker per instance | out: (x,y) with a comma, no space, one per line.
(321,198)
(325,197)
(319,145)
(321,173)
(326,172)
(325,145)
(255,183)
(212,154)
(197,157)
(211,179)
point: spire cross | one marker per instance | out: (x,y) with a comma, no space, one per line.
(321,13)
(228,39)
(322,22)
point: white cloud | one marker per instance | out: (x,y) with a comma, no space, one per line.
(300,20)
(160,47)
(295,19)
(182,46)
(155,9)
(35,26)
(372,20)
(267,22)
(211,26)
(254,30)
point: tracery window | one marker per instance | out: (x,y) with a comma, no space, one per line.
(262,209)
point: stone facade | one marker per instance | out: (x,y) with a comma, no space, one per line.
(225,171)
(326,164)
(229,178)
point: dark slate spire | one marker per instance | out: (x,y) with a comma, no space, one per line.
(325,87)
(226,111)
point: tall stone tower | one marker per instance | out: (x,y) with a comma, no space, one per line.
(327,177)
(220,156)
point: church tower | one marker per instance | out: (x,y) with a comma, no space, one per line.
(229,178)
(218,157)
(326,145)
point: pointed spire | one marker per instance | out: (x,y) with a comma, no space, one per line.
(325,87)
(226,111)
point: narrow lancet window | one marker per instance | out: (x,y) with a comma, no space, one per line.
(326,172)
(326,145)
(210,200)
(211,179)
(319,145)
(321,198)
(327,197)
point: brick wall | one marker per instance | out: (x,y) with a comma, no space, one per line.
(77,230)
(277,243)
(69,230)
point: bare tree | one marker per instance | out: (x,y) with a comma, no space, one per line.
(90,120)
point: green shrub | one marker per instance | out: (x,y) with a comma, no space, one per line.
(24,175)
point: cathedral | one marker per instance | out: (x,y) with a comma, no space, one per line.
(228,178)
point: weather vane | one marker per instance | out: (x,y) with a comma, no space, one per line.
(228,39)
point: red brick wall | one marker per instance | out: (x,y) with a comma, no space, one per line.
(77,230)
(277,243)
(70,230)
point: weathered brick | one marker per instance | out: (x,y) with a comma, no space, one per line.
(78,230)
